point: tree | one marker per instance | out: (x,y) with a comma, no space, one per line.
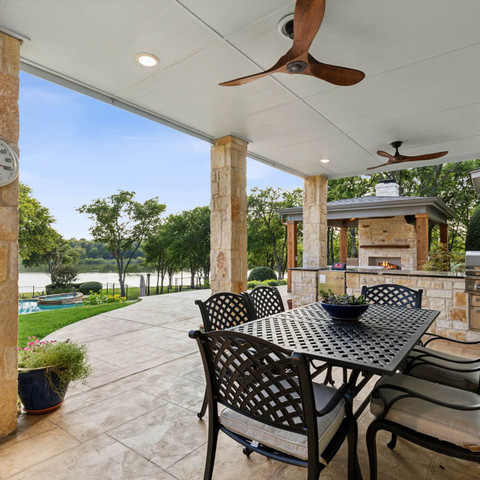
(265,229)
(157,254)
(190,232)
(472,242)
(59,252)
(122,223)
(35,232)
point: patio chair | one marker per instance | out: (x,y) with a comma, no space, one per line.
(265,301)
(272,406)
(394,295)
(220,311)
(438,417)
(439,367)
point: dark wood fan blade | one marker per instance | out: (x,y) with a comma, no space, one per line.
(250,78)
(334,74)
(386,155)
(307,18)
(378,166)
(428,156)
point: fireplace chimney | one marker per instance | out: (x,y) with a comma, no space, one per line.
(387,188)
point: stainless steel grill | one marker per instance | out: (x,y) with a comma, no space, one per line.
(472,287)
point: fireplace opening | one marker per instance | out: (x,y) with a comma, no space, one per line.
(388,263)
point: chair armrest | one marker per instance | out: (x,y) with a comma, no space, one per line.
(411,394)
(439,337)
(342,393)
(426,360)
(437,354)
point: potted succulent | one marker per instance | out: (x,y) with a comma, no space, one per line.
(45,369)
(343,307)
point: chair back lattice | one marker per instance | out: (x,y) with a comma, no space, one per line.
(395,295)
(224,310)
(257,379)
(265,301)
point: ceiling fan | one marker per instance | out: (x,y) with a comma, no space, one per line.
(397,158)
(307,19)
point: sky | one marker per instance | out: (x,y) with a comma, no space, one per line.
(74,149)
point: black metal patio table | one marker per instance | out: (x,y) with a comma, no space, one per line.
(376,343)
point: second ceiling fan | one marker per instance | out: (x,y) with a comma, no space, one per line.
(307,19)
(397,158)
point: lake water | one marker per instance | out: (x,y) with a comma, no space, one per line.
(27,281)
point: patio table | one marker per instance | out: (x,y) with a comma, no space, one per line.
(375,344)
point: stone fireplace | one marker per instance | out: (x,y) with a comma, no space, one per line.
(391,240)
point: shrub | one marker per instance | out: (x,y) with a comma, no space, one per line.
(64,274)
(472,243)
(51,289)
(252,284)
(88,287)
(261,274)
(272,283)
(98,298)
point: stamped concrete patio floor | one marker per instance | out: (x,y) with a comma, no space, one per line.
(136,418)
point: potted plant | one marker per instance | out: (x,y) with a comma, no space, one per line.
(343,307)
(45,369)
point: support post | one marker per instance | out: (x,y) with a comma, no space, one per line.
(422,239)
(343,244)
(228,221)
(9,129)
(315,222)
(292,242)
(444,234)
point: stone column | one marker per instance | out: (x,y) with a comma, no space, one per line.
(422,239)
(315,222)
(9,129)
(343,244)
(292,241)
(228,224)
(444,234)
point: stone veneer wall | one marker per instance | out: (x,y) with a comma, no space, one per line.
(444,294)
(304,287)
(315,221)
(387,231)
(228,219)
(9,129)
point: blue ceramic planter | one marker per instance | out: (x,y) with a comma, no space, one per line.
(36,392)
(345,312)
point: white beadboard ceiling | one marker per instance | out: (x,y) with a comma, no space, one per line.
(421,59)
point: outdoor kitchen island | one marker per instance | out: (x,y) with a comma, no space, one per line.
(444,291)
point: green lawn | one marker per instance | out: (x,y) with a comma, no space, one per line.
(43,323)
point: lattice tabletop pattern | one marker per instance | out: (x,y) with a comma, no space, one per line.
(377,343)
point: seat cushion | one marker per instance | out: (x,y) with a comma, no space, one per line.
(292,443)
(459,427)
(435,371)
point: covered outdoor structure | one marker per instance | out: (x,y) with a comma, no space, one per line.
(411,52)
(422,212)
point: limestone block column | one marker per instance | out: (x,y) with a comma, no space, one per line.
(444,234)
(422,239)
(292,243)
(343,244)
(315,221)
(228,224)
(9,129)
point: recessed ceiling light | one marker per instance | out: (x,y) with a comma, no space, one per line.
(325,160)
(147,59)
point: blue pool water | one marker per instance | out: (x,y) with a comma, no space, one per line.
(31,306)
(55,298)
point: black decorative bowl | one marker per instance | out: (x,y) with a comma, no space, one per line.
(345,312)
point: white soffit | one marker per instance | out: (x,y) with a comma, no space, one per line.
(422,80)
